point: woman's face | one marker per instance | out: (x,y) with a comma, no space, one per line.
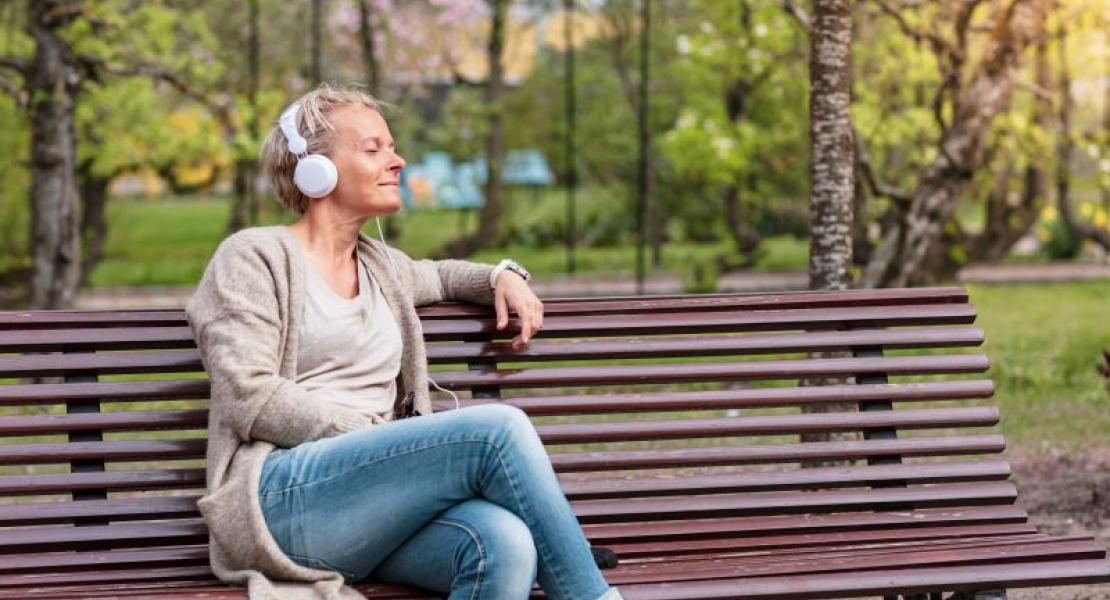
(367,162)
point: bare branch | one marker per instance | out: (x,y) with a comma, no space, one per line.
(939,44)
(878,188)
(798,13)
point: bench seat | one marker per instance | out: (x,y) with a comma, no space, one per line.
(675,425)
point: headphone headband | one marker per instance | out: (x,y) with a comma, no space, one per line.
(288,124)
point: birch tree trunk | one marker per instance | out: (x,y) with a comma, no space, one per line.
(489,219)
(52,83)
(832,165)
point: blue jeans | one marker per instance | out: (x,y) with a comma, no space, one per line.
(463,502)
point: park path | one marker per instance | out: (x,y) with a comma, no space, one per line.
(661,283)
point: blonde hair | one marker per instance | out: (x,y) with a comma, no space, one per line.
(314,125)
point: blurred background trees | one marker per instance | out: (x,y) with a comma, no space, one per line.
(980,125)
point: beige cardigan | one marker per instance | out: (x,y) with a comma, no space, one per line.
(246,316)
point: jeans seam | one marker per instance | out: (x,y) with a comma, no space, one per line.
(285,490)
(473,533)
(527,515)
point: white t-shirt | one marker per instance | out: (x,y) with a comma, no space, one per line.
(350,349)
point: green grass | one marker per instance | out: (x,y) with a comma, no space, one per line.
(1045,342)
(169,241)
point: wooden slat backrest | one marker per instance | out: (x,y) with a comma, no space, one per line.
(651,358)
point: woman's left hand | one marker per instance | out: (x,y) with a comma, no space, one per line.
(513,294)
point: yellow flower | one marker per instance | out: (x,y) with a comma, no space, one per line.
(1086,209)
(1100,219)
(1048,213)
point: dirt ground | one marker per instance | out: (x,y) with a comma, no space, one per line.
(1065,494)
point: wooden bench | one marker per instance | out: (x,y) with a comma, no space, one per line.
(673,423)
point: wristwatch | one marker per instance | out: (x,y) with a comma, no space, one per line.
(511,265)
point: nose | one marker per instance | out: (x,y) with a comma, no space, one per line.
(397,163)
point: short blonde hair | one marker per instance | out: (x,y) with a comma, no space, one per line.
(314,125)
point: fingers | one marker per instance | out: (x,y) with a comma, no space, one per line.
(502,309)
(531,322)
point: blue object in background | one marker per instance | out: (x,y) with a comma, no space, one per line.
(437,183)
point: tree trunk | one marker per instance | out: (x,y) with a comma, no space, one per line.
(489,219)
(1064,148)
(832,169)
(1007,223)
(913,240)
(570,115)
(366,38)
(52,84)
(243,176)
(94,227)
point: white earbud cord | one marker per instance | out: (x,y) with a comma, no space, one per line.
(398,277)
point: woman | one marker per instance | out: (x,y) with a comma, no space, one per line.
(313,347)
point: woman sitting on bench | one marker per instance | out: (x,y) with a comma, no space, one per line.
(316,478)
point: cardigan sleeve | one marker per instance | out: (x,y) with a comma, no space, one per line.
(450,279)
(235,319)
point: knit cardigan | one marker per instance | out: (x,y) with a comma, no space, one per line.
(246,318)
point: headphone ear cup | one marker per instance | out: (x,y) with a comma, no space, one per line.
(315,176)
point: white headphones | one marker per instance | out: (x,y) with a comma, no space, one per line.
(316,175)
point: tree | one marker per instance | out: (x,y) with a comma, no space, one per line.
(832,165)
(912,241)
(489,219)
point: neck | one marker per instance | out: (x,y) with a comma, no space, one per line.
(329,236)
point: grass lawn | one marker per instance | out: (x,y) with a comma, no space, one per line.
(169,241)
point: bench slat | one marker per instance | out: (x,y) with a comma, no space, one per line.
(194,418)
(818,540)
(114,451)
(110,480)
(541,350)
(103,363)
(50,393)
(775,453)
(42,513)
(724,301)
(175,532)
(56,393)
(870,581)
(765,503)
(615,402)
(114,338)
(577,433)
(750,481)
(655,531)
(712,322)
(720,371)
(666,302)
